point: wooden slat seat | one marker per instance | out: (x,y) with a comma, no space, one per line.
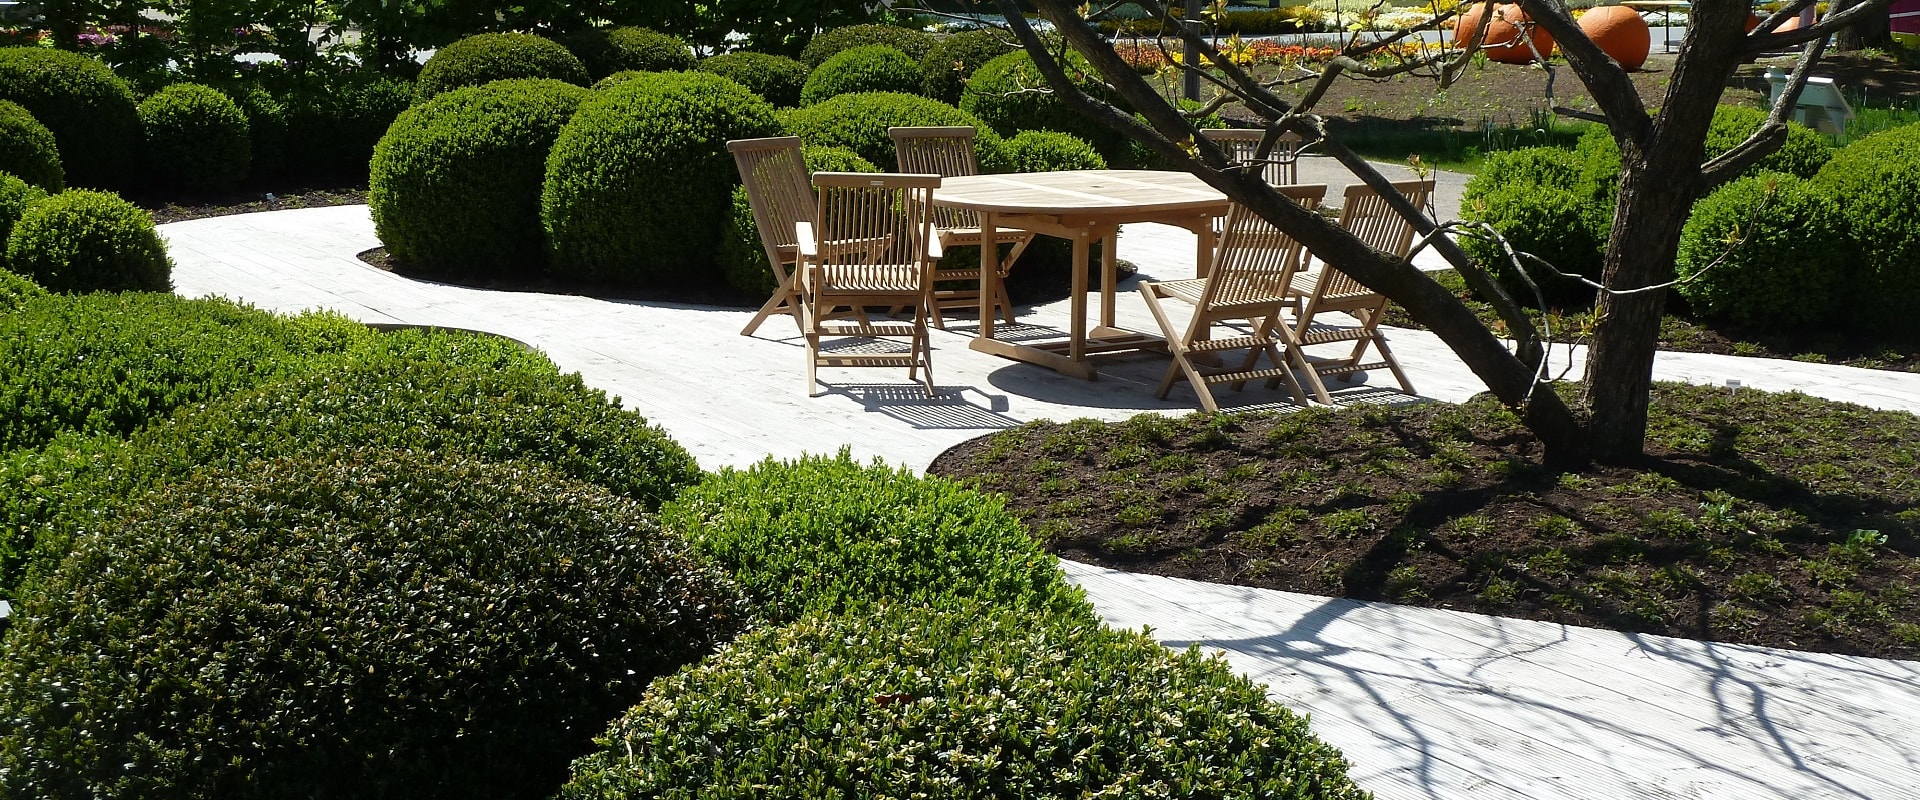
(871,243)
(948,151)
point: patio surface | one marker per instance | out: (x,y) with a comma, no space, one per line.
(1427,703)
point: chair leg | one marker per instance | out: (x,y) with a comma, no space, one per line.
(783,299)
(924,346)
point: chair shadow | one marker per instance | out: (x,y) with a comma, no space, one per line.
(947,409)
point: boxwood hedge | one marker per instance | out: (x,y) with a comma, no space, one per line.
(1876,183)
(16,289)
(776,78)
(456,180)
(333,121)
(742,260)
(15,196)
(828,42)
(89,110)
(1541,199)
(968,700)
(1801,155)
(347,624)
(605,51)
(1794,268)
(859,123)
(953,59)
(197,140)
(1001,93)
(27,149)
(82,241)
(638,183)
(867,68)
(489,57)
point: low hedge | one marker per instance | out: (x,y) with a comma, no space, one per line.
(266,128)
(455,184)
(82,241)
(89,110)
(868,68)
(1549,222)
(954,58)
(488,57)
(828,42)
(609,50)
(776,78)
(1876,184)
(638,183)
(1002,94)
(28,150)
(828,535)
(859,122)
(1794,268)
(197,141)
(348,624)
(969,700)
(1801,155)
(743,261)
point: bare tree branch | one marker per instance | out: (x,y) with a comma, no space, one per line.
(1763,39)
(1773,132)
(1625,115)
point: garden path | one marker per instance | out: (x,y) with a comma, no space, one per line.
(1427,703)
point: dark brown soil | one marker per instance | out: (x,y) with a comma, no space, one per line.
(1776,520)
(249,201)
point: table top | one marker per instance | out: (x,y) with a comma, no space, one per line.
(1657,4)
(1079,192)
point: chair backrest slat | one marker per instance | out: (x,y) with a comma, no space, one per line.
(1367,216)
(1282,164)
(939,150)
(1255,260)
(775,175)
(867,219)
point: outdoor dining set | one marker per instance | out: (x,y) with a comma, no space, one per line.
(853,252)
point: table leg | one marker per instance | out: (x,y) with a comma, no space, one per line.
(1109,274)
(1203,251)
(990,287)
(1077,301)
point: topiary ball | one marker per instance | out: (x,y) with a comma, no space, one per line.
(1531,166)
(89,110)
(1876,184)
(828,42)
(335,119)
(1002,93)
(1803,153)
(961,700)
(1552,224)
(496,56)
(776,78)
(743,261)
(868,68)
(859,122)
(28,151)
(16,196)
(455,185)
(197,140)
(16,289)
(1791,266)
(638,184)
(1049,151)
(266,128)
(85,241)
(606,51)
(953,60)
(350,624)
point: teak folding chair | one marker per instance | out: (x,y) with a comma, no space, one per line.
(948,151)
(1367,216)
(871,243)
(1281,166)
(1252,269)
(775,175)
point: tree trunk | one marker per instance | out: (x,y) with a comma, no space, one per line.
(1646,237)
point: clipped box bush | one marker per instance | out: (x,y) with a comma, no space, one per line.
(1794,268)
(89,110)
(82,241)
(638,184)
(15,196)
(867,68)
(1047,151)
(859,122)
(1530,166)
(28,150)
(197,140)
(1551,223)
(334,119)
(828,534)
(487,57)
(776,78)
(1801,155)
(1001,93)
(953,59)
(16,289)
(456,181)
(605,51)
(742,260)
(1876,183)
(968,700)
(266,127)
(348,624)
(828,42)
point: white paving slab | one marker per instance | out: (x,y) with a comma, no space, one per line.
(1428,704)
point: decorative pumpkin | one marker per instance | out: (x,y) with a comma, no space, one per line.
(1620,32)
(1503,33)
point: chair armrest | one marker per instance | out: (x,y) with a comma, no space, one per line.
(933,249)
(803,233)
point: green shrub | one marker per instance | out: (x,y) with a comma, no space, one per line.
(487,57)
(27,149)
(1876,183)
(1801,155)
(637,186)
(266,127)
(1531,166)
(88,109)
(743,261)
(456,180)
(1047,151)
(607,51)
(776,78)
(16,196)
(16,289)
(335,119)
(914,43)
(868,68)
(1002,94)
(953,60)
(1793,269)
(1599,159)
(111,363)
(196,138)
(859,122)
(83,241)
(829,535)
(1551,223)
(348,624)
(968,701)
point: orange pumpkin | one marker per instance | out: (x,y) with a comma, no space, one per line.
(1503,33)
(1620,32)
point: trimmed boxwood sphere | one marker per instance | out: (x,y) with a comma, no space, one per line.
(742,259)
(84,241)
(197,140)
(1801,155)
(967,700)
(776,78)
(859,123)
(16,289)
(868,68)
(456,180)
(953,60)
(611,50)
(1001,93)
(1793,268)
(16,196)
(89,110)
(1549,222)
(1876,183)
(823,46)
(348,624)
(1048,151)
(490,57)
(27,149)
(637,186)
